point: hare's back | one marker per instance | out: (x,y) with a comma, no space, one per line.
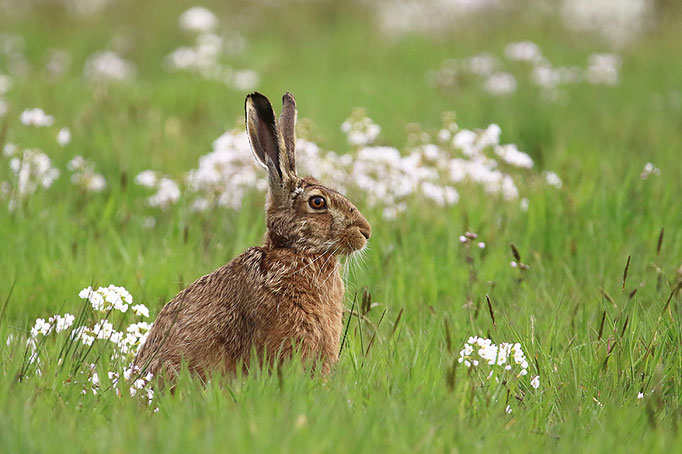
(209,323)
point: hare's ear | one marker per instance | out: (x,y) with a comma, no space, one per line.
(287,127)
(266,143)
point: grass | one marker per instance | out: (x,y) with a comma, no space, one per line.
(594,343)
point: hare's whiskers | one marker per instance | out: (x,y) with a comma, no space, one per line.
(329,258)
(330,273)
(306,266)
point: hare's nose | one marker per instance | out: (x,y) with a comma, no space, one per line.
(366,232)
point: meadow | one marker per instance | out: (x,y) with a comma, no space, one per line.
(566,245)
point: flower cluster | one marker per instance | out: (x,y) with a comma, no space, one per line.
(126,343)
(398,17)
(205,56)
(105,299)
(649,170)
(57,323)
(602,69)
(107,66)
(167,190)
(84,176)
(36,117)
(430,168)
(619,22)
(504,360)
(31,168)
(360,129)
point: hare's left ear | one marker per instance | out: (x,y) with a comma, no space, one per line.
(266,143)
(287,127)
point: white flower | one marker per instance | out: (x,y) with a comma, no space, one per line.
(63,137)
(481,245)
(360,129)
(649,169)
(511,155)
(10,149)
(5,84)
(603,69)
(535,382)
(198,19)
(168,192)
(500,83)
(552,178)
(36,117)
(84,175)
(108,66)
(617,21)
(523,51)
(640,395)
(140,309)
(147,178)
(40,327)
(524,204)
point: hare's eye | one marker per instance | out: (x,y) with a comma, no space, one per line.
(317,202)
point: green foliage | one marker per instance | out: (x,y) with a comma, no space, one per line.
(595,337)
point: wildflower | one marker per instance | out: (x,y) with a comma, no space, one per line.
(168,192)
(523,51)
(84,175)
(649,169)
(524,204)
(500,83)
(64,137)
(640,395)
(5,84)
(198,19)
(40,327)
(511,155)
(552,179)
(32,169)
(618,22)
(36,117)
(360,129)
(106,298)
(140,309)
(147,178)
(603,69)
(106,66)
(535,382)
(481,245)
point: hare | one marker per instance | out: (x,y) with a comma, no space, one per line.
(271,299)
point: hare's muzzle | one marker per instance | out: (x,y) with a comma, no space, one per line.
(357,234)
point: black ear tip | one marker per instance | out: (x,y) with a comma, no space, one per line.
(288,97)
(258,98)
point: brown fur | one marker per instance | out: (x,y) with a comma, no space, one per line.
(270,299)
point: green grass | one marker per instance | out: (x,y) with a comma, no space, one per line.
(407,393)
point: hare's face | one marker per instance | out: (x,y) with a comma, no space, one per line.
(319,220)
(302,214)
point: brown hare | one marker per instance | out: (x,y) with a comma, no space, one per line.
(271,299)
